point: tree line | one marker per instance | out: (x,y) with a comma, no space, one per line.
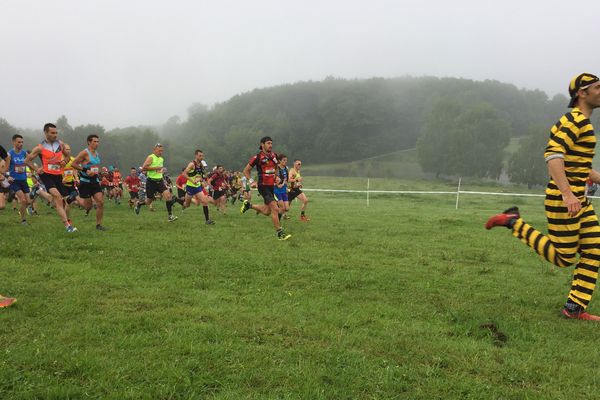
(459,126)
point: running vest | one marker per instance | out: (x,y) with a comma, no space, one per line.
(29,178)
(17,167)
(156,162)
(69,172)
(93,166)
(283,176)
(266,165)
(297,175)
(51,155)
(198,170)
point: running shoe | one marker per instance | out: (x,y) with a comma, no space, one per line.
(209,222)
(24,222)
(506,218)
(172,218)
(137,209)
(281,235)
(29,210)
(7,301)
(304,218)
(581,314)
(245,206)
(71,229)
(101,228)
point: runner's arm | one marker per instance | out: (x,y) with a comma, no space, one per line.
(29,159)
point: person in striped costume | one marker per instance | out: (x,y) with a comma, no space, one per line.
(572,223)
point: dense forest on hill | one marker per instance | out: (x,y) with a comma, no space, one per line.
(459,126)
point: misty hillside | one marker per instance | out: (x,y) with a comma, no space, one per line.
(458,126)
(342,120)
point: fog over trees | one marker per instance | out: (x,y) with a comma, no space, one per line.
(458,126)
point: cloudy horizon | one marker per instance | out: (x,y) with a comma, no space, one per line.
(140,62)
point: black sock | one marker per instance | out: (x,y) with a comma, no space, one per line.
(205,209)
(279,215)
(571,306)
(301,212)
(169,205)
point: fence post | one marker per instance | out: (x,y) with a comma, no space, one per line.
(368,186)
(457,193)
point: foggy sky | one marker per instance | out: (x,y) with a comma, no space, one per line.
(132,62)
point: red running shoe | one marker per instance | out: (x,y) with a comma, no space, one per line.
(304,218)
(7,301)
(504,218)
(582,315)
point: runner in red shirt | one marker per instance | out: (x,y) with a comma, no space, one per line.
(219,184)
(266,165)
(132,183)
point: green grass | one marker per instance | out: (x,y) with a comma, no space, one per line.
(407,299)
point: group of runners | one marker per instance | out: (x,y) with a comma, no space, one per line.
(65,181)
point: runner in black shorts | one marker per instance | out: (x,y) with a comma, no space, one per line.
(266,165)
(88,162)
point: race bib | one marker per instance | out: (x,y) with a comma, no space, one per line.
(53,167)
(19,169)
(94,170)
(269,171)
(68,172)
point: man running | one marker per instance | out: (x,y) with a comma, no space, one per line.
(88,162)
(50,151)
(3,180)
(295,180)
(219,184)
(572,223)
(195,177)
(132,184)
(153,166)
(70,179)
(266,165)
(281,187)
(18,175)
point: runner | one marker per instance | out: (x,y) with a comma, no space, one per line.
(194,173)
(281,187)
(154,183)
(88,162)
(295,180)
(266,165)
(117,185)
(180,185)
(3,180)
(236,186)
(70,179)
(18,175)
(51,153)
(132,184)
(219,184)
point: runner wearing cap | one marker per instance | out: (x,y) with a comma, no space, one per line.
(154,166)
(265,163)
(572,223)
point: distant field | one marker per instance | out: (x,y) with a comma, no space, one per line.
(408,298)
(402,164)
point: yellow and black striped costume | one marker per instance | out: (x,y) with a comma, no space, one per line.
(572,139)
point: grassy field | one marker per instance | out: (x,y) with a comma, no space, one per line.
(406,299)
